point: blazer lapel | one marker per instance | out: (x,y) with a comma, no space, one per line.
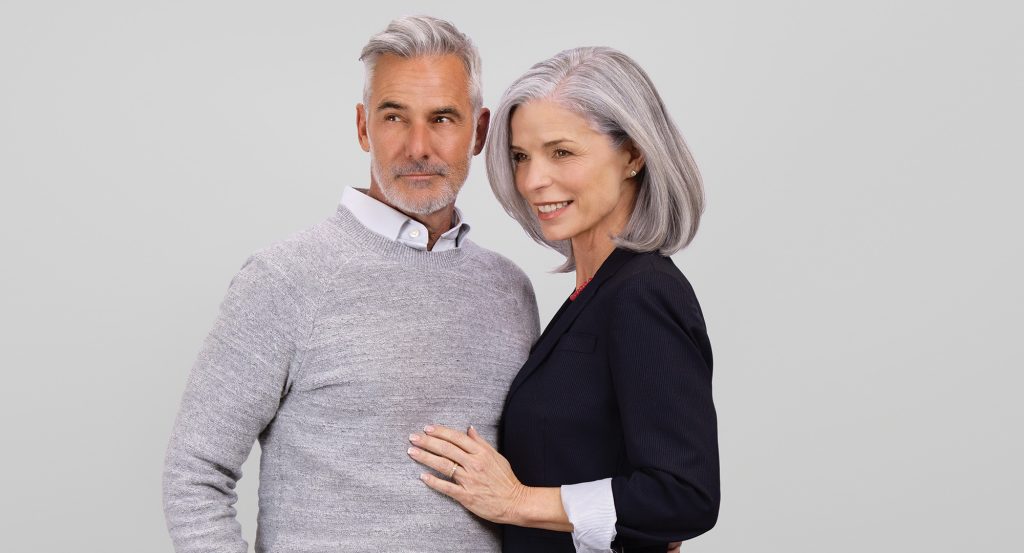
(566,315)
(558,314)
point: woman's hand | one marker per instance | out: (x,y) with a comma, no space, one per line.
(482,482)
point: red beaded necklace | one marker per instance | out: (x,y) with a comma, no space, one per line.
(576,293)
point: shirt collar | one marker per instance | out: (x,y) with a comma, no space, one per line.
(392,224)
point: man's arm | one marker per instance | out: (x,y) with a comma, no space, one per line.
(233,392)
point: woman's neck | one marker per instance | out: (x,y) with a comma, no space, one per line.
(590,252)
(591,247)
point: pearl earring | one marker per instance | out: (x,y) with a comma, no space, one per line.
(632,173)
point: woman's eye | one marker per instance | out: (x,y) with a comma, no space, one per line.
(562,153)
(518,157)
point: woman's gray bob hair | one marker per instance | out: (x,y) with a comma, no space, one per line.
(616,96)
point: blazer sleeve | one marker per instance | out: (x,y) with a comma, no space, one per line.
(660,359)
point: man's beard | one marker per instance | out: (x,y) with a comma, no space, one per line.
(391,186)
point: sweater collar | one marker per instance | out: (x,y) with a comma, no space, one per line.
(392,224)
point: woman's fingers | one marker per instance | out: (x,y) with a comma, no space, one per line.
(440,464)
(483,482)
(476,437)
(460,439)
(440,447)
(450,489)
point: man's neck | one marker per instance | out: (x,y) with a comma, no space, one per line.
(437,223)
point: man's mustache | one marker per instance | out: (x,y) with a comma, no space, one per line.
(420,168)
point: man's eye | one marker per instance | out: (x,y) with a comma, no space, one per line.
(442,119)
(391,117)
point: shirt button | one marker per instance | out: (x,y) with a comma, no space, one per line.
(414,233)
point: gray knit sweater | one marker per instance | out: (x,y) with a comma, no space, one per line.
(330,349)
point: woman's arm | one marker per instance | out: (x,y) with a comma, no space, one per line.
(483,481)
(660,359)
(661,366)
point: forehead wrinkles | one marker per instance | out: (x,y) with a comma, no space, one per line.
(422,81)
(536,127)
(407,91)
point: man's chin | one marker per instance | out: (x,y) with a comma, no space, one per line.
(420,182)
(420,206)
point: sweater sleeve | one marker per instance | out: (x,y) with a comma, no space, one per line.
(233,392)
(661,367)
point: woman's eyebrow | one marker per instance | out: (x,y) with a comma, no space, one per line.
(548,144)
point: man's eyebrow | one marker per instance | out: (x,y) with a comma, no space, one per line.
(447,110)
(389,104)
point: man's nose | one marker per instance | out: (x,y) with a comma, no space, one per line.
(418,141)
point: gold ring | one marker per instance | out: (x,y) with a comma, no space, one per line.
(455,466)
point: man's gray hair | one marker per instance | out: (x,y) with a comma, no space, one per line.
(616,96)
(421,35)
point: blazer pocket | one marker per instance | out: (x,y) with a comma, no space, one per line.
(576,341)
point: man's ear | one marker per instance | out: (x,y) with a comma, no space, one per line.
(364,139)
(483,122)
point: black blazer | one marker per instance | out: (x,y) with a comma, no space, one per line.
(619,386)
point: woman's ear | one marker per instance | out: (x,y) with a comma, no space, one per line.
(636,158)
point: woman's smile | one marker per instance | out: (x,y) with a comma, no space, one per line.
(548,211)
(575,178)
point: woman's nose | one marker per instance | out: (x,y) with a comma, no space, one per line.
(534,176)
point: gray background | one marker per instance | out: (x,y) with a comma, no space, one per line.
(859,262)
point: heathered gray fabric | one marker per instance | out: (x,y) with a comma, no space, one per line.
(331,348)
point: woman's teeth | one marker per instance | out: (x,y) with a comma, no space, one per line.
(548,208)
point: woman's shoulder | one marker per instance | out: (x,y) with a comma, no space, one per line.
(649,280)
(651,269)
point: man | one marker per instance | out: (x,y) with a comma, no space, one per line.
(333,346)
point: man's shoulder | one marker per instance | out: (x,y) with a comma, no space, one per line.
(490,261)
(499,272)
(309,255)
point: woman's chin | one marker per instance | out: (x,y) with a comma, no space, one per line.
(554,236)
(555,231)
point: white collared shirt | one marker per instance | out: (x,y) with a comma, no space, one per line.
(392,224)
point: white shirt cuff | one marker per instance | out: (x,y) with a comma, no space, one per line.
(591,510)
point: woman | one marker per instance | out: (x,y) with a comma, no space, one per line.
(609,429)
